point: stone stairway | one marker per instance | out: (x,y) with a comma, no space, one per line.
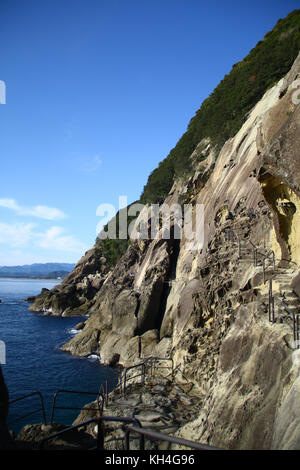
(287,301)
(283,302)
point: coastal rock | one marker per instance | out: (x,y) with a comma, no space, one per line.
(31,435)
(84,345)
(73,295)
(79,326)
(206,305)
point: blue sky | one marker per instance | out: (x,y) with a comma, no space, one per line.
(97,94)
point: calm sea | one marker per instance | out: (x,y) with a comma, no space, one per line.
(34,361)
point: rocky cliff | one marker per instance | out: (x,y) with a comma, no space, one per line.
(210,308)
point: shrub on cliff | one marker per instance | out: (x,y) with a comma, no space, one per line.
(222,114)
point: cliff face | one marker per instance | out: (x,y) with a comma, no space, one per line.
(208,307)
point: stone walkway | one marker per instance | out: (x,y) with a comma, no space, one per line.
(160,405)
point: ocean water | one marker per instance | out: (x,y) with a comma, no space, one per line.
(34,361)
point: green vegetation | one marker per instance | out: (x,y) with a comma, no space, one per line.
(222,114)
(113,249)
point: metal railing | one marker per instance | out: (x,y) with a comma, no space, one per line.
(78,392)
(177,370)
(257,254)
(154,435)
(149,363)
(271,306)
(41,409)
(296,327)
(67,430)
(99,434)
(142,375)
(136,428)
(154,361)
(269,256)
(288,315)
(122,419)
(104,393)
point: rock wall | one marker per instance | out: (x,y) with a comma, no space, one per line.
(207,307)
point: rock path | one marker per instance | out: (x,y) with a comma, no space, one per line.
(160,405)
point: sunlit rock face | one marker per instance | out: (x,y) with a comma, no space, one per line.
(206,304)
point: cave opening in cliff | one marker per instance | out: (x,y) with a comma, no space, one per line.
(285,206)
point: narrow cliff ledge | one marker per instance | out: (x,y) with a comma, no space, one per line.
(207,307)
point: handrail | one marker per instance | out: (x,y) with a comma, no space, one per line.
(66,430)
(137,428)
(79,392)
(42,408)
(142,364)
(123,419)
(100,437)
(153,360)
(269,255)
(271,307)
(165,437)
(103,391)
(292,315)
(179,369)
(296,320)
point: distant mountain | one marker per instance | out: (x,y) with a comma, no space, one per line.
(38,270)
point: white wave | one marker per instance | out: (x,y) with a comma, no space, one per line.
(93,357)
(73,331)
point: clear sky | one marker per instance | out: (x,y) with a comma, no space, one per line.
(97,94)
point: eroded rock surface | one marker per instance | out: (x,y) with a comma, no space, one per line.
(207,305)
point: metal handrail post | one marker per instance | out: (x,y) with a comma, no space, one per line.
(297,331)
(124,385)
(270,297)
(53,407)
(106,393)
(294,330)
(42,409)
(100,436)
(66,430)
(79,392)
